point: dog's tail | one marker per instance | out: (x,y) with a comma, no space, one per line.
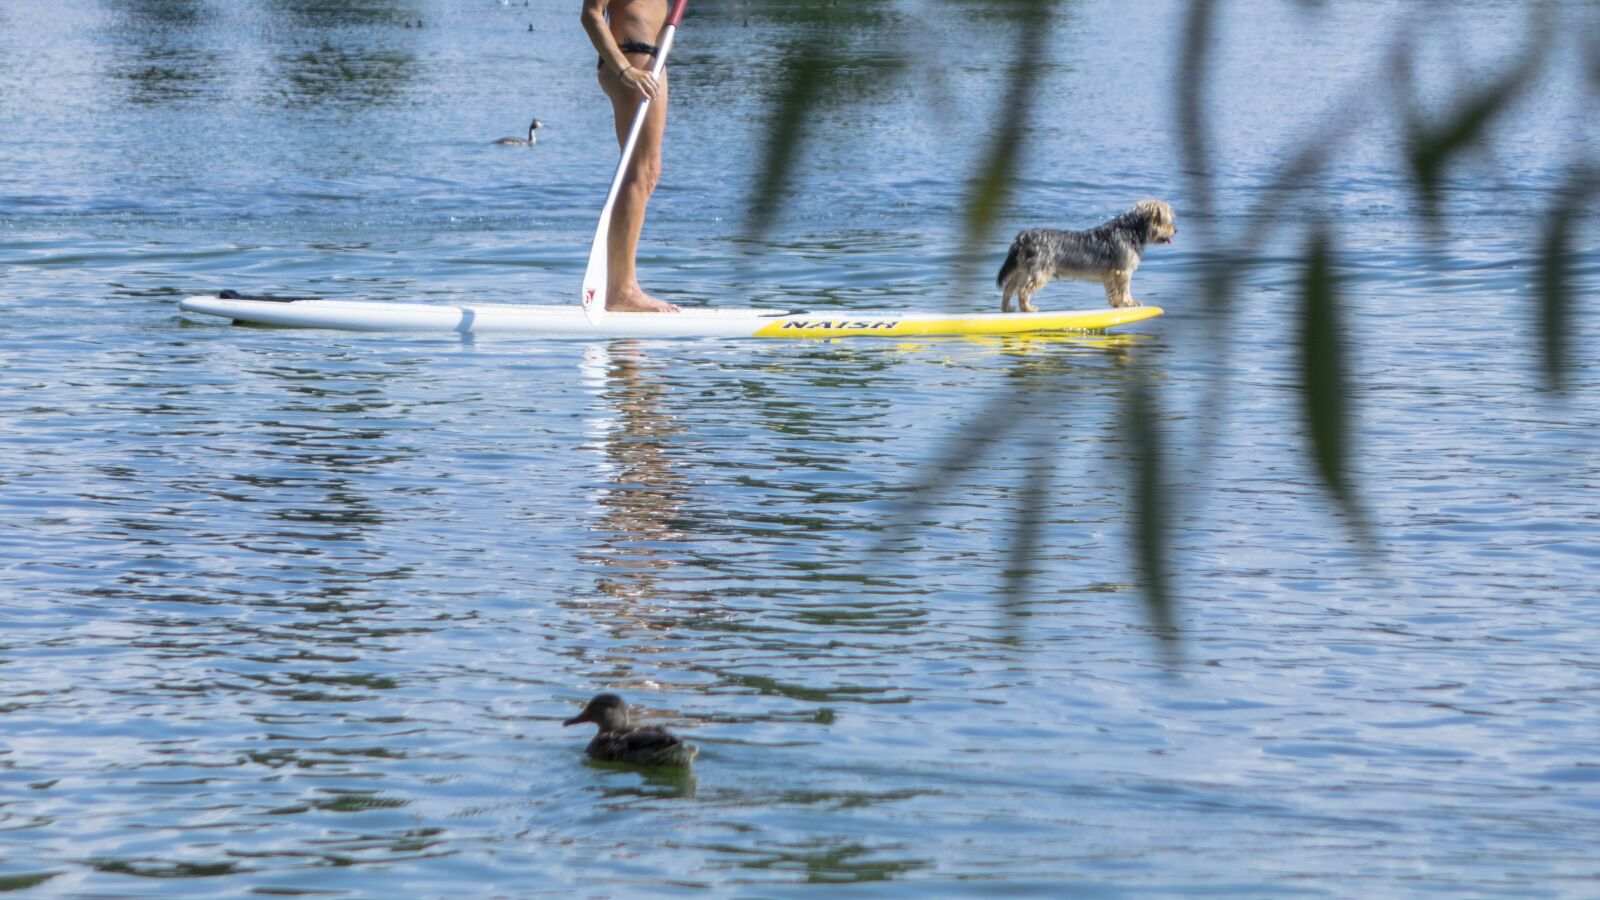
(1009,266)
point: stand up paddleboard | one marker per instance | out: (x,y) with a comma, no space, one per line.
(570,321)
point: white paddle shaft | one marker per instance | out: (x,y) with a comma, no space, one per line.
(594,277)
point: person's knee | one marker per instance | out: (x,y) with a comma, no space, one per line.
(645,174)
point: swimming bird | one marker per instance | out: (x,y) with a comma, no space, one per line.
(519,142)
(621,741)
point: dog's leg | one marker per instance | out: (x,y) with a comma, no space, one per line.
(1119,293)
(1026,291)
(1007,278)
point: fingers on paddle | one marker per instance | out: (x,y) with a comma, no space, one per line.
(644,83)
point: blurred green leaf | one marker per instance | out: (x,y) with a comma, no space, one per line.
(963,451)
(1594,61)
(1555,260)
(1027,529)
(1142,445)
(1323,377)
(23,882)
(803,66)
(989,187)
(1322,363)
(822,66)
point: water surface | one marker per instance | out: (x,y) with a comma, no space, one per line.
(302,611)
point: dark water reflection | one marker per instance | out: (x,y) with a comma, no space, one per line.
(295,612)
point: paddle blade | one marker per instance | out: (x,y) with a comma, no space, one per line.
(593,297)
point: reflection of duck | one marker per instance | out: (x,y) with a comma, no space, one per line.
(620,741)
(519,142)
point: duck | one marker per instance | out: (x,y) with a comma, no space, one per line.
(619,740)
(519,142)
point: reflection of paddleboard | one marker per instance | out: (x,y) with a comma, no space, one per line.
(570,322)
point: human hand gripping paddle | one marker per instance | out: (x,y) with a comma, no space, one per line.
(594,277)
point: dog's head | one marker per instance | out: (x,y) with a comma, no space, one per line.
(1160,226)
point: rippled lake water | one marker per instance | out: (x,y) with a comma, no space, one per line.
(295,612)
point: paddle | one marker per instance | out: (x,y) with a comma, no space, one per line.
(594,277)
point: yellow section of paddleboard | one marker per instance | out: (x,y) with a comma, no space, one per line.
(924,325)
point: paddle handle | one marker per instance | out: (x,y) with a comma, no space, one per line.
(593,295)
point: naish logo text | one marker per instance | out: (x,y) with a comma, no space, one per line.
(841,324)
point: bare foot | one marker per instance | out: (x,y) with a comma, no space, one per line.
(635,300)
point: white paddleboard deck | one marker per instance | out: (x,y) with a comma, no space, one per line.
(570,322)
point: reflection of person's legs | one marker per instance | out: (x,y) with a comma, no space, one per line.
(627,217)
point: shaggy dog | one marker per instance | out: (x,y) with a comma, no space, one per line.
(1107,254)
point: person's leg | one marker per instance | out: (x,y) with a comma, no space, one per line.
(627,217)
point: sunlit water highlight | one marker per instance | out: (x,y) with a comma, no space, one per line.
(302,611)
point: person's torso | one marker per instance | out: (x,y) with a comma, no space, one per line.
(637,20)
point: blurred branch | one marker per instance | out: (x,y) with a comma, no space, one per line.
(1193,67)
(1430,147)
(1436,136)
(992,182)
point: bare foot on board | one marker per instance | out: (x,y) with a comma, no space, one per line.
(636,300)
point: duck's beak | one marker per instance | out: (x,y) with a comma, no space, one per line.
(575,720)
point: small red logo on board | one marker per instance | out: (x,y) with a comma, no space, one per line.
(588,296)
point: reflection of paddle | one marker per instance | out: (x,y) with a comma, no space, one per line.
(594,277)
